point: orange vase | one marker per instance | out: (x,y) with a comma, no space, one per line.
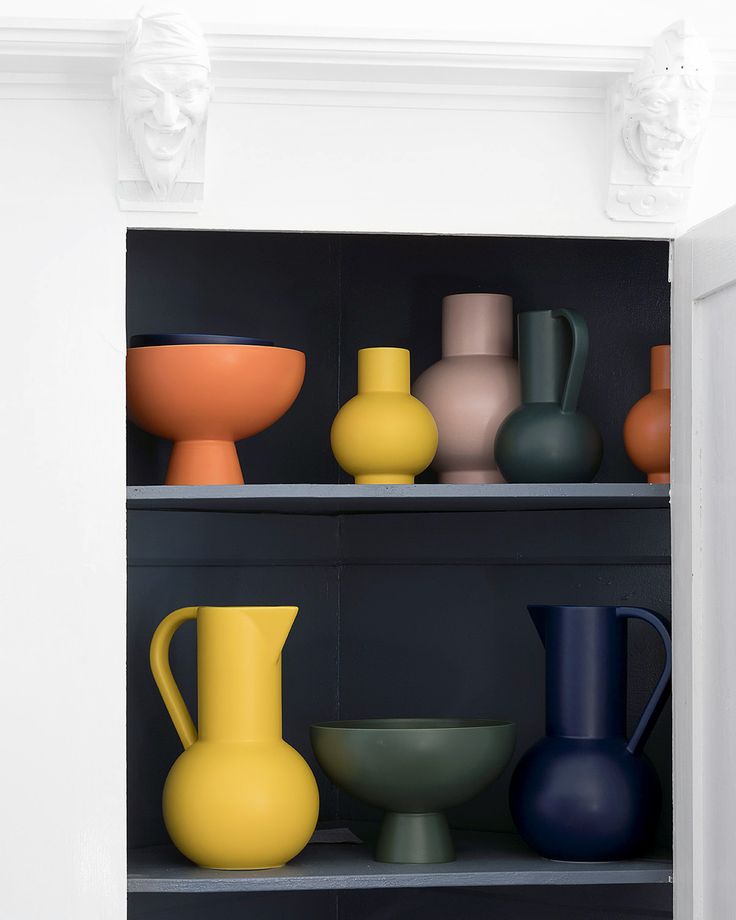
(647,426)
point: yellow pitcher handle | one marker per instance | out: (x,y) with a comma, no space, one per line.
(165,682)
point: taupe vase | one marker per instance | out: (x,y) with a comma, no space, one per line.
(473,388)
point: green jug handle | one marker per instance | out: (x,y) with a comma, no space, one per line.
(578,358)
(170,693)
(656,700)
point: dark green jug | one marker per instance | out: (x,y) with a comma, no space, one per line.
(546,439)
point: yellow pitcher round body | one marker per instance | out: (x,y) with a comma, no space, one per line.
(239,797)
(384,434)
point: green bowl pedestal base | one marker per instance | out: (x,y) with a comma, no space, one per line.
(411,838)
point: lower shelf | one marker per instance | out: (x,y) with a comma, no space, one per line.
(483,859)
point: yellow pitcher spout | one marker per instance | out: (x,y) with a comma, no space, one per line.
(274,625)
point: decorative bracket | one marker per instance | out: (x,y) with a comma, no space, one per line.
(164,88)
(656,118)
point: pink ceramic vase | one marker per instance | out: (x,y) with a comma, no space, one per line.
(473,388)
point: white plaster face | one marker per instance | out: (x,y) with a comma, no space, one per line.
(664,120)
(164,106)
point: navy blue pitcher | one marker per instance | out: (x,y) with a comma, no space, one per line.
(585,792)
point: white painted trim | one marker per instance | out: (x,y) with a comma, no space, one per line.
(687,878)
(70,59)
(704,264)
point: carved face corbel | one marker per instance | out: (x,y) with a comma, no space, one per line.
(664,119)
(164,88)
(658,117)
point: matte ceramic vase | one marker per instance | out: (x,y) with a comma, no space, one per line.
(647,426)
(239,797)
(384,434)
(206,396)
(414,769)
(474,387)
(585,792)
(547,439)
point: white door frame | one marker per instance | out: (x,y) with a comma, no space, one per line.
(704,568)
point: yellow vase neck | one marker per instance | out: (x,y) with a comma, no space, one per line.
(239,671)
(383,370)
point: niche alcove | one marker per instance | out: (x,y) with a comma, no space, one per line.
(410,604)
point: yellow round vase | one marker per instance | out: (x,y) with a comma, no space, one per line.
(384,434)
(239,797)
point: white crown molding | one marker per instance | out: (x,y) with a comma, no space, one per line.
(71,59)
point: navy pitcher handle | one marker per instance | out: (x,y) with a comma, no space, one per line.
(646,722)
(578,358)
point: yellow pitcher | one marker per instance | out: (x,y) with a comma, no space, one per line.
(239,797)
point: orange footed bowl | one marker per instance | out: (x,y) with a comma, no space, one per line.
(204,398)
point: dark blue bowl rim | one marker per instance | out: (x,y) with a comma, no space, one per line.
(147,340)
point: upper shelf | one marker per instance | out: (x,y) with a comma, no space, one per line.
(483,859)
(305,498)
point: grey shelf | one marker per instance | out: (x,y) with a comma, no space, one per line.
(305,498)
(484,859)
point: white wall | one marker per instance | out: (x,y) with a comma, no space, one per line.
(276,167)
(62,528)
(423,169)
(430,171)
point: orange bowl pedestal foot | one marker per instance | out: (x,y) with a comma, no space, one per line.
(197,463)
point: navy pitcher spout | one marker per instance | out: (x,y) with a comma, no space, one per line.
(585,792)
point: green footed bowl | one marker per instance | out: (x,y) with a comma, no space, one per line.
(413,769)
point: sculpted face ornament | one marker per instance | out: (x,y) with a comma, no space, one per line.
(165,91)
(656,119)
(668,103)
